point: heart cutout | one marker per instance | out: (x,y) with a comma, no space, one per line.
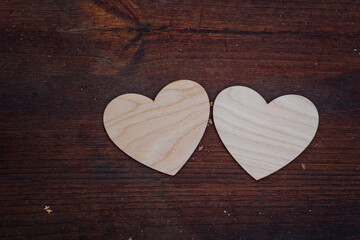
(264,137)
(161,134)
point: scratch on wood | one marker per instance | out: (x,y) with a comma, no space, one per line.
(137,55)
(142,30)
(133,41)
(171,38)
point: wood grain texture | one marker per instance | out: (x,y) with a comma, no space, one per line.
(264,137)
(161,134)
(62,62)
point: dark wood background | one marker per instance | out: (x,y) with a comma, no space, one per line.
(61,62)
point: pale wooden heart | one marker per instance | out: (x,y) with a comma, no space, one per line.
(264,137)
(161,134)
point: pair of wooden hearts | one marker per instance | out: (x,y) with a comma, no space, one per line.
(162,134)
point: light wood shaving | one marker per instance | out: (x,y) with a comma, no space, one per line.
(303,166)
(47,209)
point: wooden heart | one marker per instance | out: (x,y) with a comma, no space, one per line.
(161,134)
(264,137)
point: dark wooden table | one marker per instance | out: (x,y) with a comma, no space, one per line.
(61,63)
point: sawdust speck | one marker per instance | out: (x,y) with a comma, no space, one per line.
(303,166)
(47,209)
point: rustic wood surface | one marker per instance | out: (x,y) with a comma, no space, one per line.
(62,62)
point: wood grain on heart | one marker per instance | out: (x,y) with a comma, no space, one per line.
(264,137)
(161,134)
